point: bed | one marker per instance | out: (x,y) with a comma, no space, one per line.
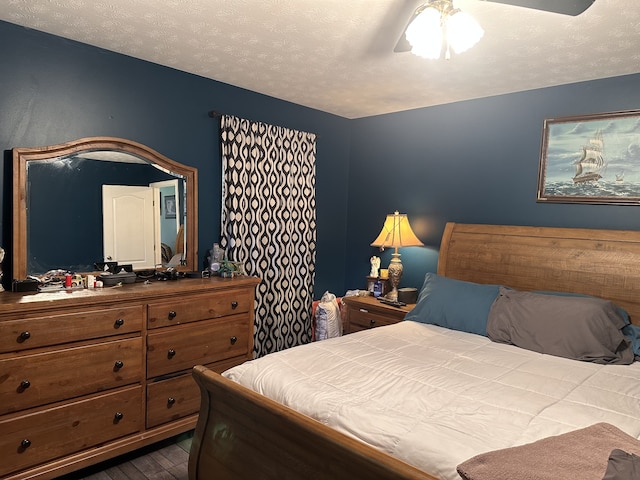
(448,400)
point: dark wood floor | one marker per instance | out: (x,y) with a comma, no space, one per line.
(163,461)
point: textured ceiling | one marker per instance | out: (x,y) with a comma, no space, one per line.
(337,55)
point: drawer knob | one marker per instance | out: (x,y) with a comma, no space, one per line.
(172,315)
(118,365)
(117,417)
(26,443)
(24,384)
(119,322)
(372,322)
(24,336)
(171,401)
(234,305)
(171,353)
(233,340)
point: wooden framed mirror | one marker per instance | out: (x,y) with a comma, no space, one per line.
(58,217)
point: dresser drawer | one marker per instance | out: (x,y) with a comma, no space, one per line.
(187,309)
(24,333)
(38,437)
(172,399)
(361,319)
(180,348)
(30,380)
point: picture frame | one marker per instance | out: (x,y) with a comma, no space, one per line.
(169,206)
(591,159)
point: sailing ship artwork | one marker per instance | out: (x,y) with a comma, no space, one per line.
(591,159)
(591,162)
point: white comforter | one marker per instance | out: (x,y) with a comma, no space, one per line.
(436,397)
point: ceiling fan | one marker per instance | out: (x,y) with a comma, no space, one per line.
(564,7)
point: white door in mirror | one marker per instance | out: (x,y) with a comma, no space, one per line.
(128,225)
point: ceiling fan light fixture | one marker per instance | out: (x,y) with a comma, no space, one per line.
(438,23)
(424,34)
(462,31)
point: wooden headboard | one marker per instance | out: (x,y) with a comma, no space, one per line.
(602,263)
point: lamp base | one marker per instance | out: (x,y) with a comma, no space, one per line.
(395,274)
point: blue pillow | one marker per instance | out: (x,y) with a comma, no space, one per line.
(633,332)
(454,304)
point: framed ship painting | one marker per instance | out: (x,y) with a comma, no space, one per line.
(591,159)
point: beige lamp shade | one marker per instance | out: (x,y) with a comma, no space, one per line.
(396,232)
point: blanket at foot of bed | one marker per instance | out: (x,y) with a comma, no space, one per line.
(582,453)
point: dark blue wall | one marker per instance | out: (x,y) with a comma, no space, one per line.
(474,162)
(54,90)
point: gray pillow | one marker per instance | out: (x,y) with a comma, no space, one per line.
(580,328)
(622,466)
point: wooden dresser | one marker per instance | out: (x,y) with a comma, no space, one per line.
(87,375)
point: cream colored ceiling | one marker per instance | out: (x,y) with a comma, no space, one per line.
(337,55)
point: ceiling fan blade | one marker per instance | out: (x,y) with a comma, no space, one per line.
(393,26)
(403,44)
(565,7)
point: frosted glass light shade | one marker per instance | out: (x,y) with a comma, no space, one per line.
(439,24)
(425,34)
(463,32)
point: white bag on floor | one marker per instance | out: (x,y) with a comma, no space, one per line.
(328,319)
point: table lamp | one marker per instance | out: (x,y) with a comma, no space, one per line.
(396,232)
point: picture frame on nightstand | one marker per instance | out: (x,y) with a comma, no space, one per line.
(371,282)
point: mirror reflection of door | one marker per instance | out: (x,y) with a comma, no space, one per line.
(169,215)
(128,225)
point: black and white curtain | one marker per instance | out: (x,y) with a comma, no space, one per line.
(269,224)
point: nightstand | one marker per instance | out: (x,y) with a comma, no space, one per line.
(368,312)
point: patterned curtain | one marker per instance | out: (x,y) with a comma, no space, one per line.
(269,224)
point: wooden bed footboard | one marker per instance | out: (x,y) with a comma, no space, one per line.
(243,435)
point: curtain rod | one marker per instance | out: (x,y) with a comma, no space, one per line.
(216,114)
